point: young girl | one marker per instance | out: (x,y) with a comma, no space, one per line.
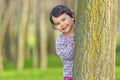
(63,20)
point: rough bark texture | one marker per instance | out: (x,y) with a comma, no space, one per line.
(95,40)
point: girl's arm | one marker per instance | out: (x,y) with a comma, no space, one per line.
(65,51)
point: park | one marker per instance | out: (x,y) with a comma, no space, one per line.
(27,40)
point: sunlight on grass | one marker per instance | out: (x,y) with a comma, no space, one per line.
(117,73)
(32,74)
(37,74)
(54,71)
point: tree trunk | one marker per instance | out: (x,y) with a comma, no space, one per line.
(6,17)
(70,4)
(119,10)
(95,40)
(11,33)
(51,41)
(13,45)
(43,35)
(2,6)
(36,11)
(21,35)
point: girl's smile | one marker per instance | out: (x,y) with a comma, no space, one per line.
(64,23)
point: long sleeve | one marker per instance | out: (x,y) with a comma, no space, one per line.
(64,48)
(65,51)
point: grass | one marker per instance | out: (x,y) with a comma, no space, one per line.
(117,73)
(37,74)
(54,71)
(32,74)
(118,58)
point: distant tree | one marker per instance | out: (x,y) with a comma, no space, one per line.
(6,16)
(119,9)
(11,52)
(21,34)
(119,16)
(43,36)
(70,4)
(2,33)
(12,45)
(95,37)
(36,25)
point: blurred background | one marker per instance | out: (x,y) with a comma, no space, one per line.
(27,40)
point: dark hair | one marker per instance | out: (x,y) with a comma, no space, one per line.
(59,10)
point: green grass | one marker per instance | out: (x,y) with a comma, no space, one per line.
(37,74)
(118,59)
(54,61)
(32,74)
(54,71)
(117,73)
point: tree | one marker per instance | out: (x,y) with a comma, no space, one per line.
(43,36)
(21,35)
(36,20)
(119,9)
(3,28)
(2,33)
(95,40)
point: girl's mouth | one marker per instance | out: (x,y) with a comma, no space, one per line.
(64,27)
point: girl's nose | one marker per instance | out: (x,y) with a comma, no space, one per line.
(61,24)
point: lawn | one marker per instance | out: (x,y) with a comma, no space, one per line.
(32,74)
(37,74)
(53,72)
(117,73)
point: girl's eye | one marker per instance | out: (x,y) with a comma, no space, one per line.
(57,24)
(64,19)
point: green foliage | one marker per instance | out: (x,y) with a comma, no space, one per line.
(118,51)
(118,45)
(118,59)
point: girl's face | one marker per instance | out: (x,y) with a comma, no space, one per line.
(64,23)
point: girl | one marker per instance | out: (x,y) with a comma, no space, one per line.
(63,20)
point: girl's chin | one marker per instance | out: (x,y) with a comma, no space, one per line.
(65,31)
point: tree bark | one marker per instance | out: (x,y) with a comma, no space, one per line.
(95,36)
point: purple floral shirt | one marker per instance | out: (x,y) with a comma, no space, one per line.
(64,48)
